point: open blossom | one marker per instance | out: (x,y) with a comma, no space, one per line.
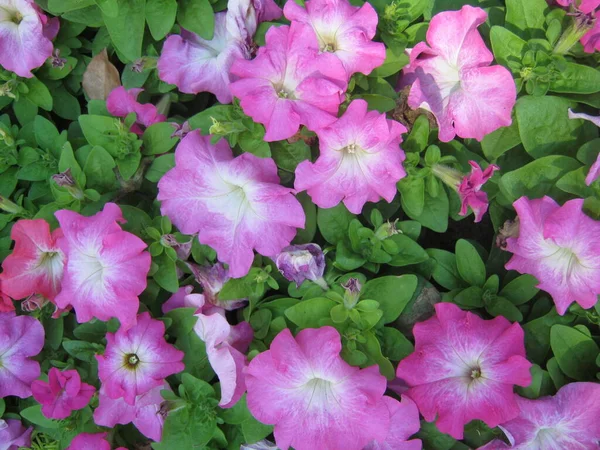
(13,435)
(290,83)
(137,360)
(301,262)
(122,102)
(89,441)
(404,422)
(212,279)
(452,78)
(470,192)
(560,246)
(64,392)
(21,338)
(594,172)
(36,264)
(344,30)
(566,421)
(235,205)
(313,397)
(145,413)
(106,266)
(464,368)
(360,160)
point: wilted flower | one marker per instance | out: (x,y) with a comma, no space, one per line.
(64,392)
(181,130)
(302,262)
(56,61)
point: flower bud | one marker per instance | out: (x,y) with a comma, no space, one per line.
(301,262)
(352,294)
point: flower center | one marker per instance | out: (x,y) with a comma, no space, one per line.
(351,149)
(131,360)
(319,392)
(329,47)
(16,17)
(475,373)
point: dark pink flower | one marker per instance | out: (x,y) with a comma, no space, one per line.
(470,192)
(64,392)
(88,441)
(122,102)
(13,435)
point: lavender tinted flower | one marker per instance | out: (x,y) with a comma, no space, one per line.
(301,262)
(212,279)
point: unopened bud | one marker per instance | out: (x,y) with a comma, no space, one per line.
(352,294)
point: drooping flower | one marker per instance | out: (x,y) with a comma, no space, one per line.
(21,338)
(560,246)
(566,421)
(137,360)
(122,102)
(244,16)
(464,368)
(89,441)
(404,422)
(594,172)
(234,204)
(344,30)
(301,262)
(452,78)
(290,83)
(13,435)
(106,266)
(360,160)
(64,392)
(313,397)
(212,279)
(145,413)
(25,36)
(36,264)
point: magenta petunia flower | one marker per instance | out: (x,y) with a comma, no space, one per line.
(13,435)
(21,338)
(64,392)
(560,246)
(404,422)
(470,192)
(344,30)
(313,397)
(25,36)
(137,360)
(290,83)
(36,263)
(464,368)
(212,279)
(145,413)
(106,266)
(301,262)
(89,441)
(594,172)
(566,421)
(360,160)
(452,78)
(122,102)
(235,205)
(6,304)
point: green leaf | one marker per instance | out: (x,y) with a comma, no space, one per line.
(507,46)
(85,351)
(470,265)
(495,144)
(160,16)
(537,334)
(435,211)
(394,62)
(157,138)
(520,290)
(91,331)
(412,195)
(471,297)
(378,102)
(110,8)
(409,251)
(126,30)
(526,18)
(35,416)
(346,258)
(395,345)
(166,275)
(128,165)
(577,79)
(96,129)
(160,166)
(98,170)
(38,94)
(392,293)
(575,352)
(445,272)
(499,306)
(418,138)
(333,223)
(54,332)
(198,17)
(310,313)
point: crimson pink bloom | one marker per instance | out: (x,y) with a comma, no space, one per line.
(360,160)
(344,30)
(404,422)
(6,304)
(36,264)
(594,172)
(290,83)
(64,392)
(452,78)
(145,413)
(122,102)
(137,360)
(234,204)
(566,421)
(212,279)
(313,397)
(470,192)
(21,338)
(88,441)
(560,246)
(106,266)
(13,435)
(464,368)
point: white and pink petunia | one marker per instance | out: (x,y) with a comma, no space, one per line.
(290,83)
(344,30)
(452,78)
(360,160)
(313,397)
(464,368)
(560,246)
(235,205)
(106,267)
(404,422)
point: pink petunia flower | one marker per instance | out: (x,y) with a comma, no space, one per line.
(560,246)
(145,413)
(178,300)
(452,78)
(586,15)
(290,83)
(566,421)
(360,160)
(64,392)
(404,422)
(122,102)
(13,435)
(212,279)
(313,397)
(36,264)
(470,192)
(594,172)
(464,368)
(234,204)
(106,266)
(6,304)
(343,30)
(21,338)
(25,36)
(89,441)
(137,360)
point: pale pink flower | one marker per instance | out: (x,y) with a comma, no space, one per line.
(404,422)
(13,435)
(595,169)
(235,205)
(89,441)
(122,102)
(313,397)
(560,246)
(464,368)
(452,78)
(64,392)
(360,160)
(470,192)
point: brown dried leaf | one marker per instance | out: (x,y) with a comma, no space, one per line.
(100,77)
